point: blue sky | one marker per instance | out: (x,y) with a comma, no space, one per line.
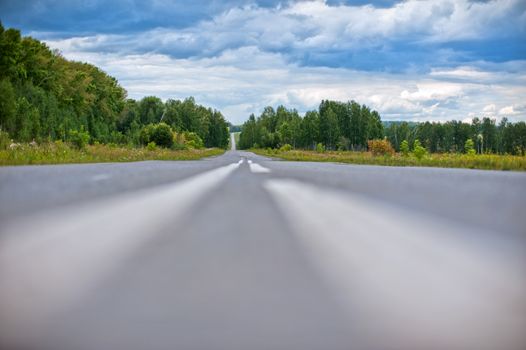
(410,60)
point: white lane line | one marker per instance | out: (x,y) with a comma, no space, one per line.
(410,279)
(100,177)
(49,261)
(250,161)
(256,168)
(240,162)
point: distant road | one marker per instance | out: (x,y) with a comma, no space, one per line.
(245,252)
(232,142)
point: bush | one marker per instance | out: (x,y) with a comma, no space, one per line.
(145,136)
(469,147)
(404,148)
(79,139)
(151,146)
(162,135)
(320,148)
(380,147)
(285,148)
(418,150)
(192,140)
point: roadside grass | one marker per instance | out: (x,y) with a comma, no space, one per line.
(443,160)
(62,153)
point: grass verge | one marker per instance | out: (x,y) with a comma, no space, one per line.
(443,160)
(61,153)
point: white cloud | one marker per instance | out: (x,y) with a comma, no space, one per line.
(315,25)
(491,108)
(513,110)
(240,60)
(243,81)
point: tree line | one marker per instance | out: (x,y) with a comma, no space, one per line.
(44,96)
(486,135)
(349,126)
(336,125)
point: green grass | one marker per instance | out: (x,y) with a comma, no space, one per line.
(443,160)
(61,153)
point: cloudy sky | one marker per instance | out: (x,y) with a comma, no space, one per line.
(410,60)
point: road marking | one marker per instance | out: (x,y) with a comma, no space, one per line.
(415,280)
(51,260)
(250,161)
(100,177)
(240,161)
(256,168)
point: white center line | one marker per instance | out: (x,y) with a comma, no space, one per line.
(256,168)
(100,177)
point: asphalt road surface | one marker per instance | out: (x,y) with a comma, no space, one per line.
(245,252)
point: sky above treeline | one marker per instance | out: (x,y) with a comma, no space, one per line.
(409,60)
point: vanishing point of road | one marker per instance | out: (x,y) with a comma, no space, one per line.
(245,252)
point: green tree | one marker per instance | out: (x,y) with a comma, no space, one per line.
(469,147)
(418,150)
(328,128)
(8,107)
(404,148)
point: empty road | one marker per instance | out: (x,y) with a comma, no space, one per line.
(245,252)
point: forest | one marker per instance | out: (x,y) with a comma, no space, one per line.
(349,126)
(45,97)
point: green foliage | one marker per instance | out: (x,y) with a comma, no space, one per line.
(192,140)
(5,140)
(146,134)
(337,125)
(59,152)
(43,96)
(8,107)
(469,147)
(446,160)
(404,148)
(162,135)
(418,150)
(286,147)
(79,138)
(320,148)
(151,146)
(380,147)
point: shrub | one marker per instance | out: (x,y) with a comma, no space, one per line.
(192,140)
(380,147)
(469,147)
(162,135)
(285,148)
(145,136)
(418,150)
(151,146)
(79,139)
(320,148)
(404,148)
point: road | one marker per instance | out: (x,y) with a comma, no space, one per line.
(245,252)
